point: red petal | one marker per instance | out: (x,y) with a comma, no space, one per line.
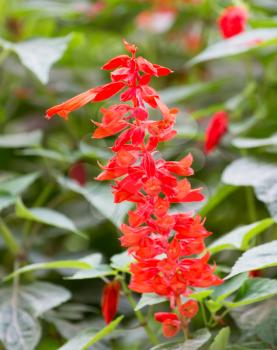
(106,91)
(119,61)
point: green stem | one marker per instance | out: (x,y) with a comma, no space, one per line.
(8,238)
(138,314)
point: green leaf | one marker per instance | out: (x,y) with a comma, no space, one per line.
(46,216)
(96,272)
(247,142)
(38,297)
(267,330)
(147,299)
(180,93)
(18,184)
(60,264)
(213,306)
(6,200)
(199,339)
(228,287)
(220,194)
(221,340)
(253,291)
(122,261)
(201,294)
(238,44)
(21,140)
(240,237)
(260,257)
(39,55)
(90,336)
(18,330)
(101,198)
(237,173)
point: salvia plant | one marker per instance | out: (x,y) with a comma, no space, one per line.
(107,213)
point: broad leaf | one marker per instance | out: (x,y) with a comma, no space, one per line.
(38,55)
(46,216)
(149,299)
(260,257)
(18,329)
(241,43)
(216,198)
(244,142)
(101,198)
(267,330)
(228,287)
(6,200)
(90,336)
(199,339)
(253,291)
(21,140)
(241,236)
(221,340)
(38,297)
(96,272)
(18,184)
(60,264)
(122,261)
(237,173)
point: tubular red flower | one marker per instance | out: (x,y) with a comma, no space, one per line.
(162,243)
(216,129)
(110,299)
(232,21)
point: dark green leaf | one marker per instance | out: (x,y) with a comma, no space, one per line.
(221,340)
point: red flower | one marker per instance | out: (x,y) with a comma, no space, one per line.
(189,309)
(110,299)
(78,173)
(164,244)
(232,21)
(217,127)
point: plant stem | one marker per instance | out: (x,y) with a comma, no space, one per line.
(8,238)
(203,312)
(138,314)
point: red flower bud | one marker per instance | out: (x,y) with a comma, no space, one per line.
(110,299)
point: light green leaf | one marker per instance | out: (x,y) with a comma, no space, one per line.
(180,93)
(90,336)
(21,140)
(260,257)
(221,340)
(101,198)
(18,184)
(18,329)
(216,198)
(122,261)
(149,299)
(46,216)
(267,330)
(39,55)
(96,272)
(228,287)
(40,297)
(201,294)
(240,237)
(253,291)
(238,44)
(60,264)
(247,142)
(237,173)
(199,339)
(6,200)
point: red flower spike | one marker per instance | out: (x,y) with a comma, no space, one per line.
(110,299)
(216,129)
(232,21)
(163,244)
(189,309)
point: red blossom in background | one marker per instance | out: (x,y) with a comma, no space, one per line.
(165,245)
(78,173)
(216,129)
(110,299)
(232,21)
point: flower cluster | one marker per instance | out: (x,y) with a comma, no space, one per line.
(168,247)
